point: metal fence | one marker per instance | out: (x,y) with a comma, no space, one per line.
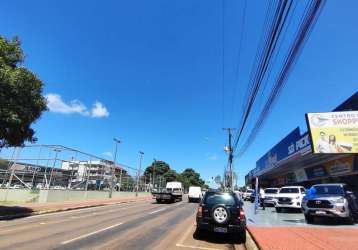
(60,167)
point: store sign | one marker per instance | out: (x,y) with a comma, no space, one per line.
(333,132)
(340,167)
(315,172)
(279,152)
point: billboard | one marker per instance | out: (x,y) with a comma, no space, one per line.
(333,132)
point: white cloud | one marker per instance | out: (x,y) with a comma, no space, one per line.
(98,110)
(57,105)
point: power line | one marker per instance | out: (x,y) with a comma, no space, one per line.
(305,28)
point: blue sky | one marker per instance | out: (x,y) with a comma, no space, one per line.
(150,73)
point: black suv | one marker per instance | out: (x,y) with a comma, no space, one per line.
(221,212)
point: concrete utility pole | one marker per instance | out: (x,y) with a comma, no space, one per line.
(116,141)
(139,169)
(228,149)
(155,163)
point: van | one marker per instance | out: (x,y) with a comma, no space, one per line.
(194,194)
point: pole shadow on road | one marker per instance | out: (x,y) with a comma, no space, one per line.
(217,238)
(13,212)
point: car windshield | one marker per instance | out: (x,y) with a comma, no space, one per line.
(271,191)
(329,190)
(225,198)
(289,191)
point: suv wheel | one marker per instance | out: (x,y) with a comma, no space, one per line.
(220,214)
(350,218)
(309,219)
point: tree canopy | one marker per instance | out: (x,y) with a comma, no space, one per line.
(162,169)
(21,100)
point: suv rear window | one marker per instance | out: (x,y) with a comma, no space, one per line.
(289,191)
(271,191)
(329,190)
(215,198)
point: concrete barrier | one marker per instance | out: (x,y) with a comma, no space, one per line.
(19,195)
(44,196)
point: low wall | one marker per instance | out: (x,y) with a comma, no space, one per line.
(19,195)
(43,196)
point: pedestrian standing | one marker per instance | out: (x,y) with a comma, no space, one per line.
(262,198)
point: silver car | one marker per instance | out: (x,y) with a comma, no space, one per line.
(330,200)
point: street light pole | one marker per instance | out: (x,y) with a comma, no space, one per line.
(116,141)
(53,166)
(139,169)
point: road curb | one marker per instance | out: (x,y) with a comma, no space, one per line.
(251,242)
(22,215)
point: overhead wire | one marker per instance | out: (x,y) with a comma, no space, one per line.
(310,17)
(278,21)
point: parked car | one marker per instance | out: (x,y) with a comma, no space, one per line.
(221,212)
(16,186)
(270,196)
(246,194)
(252,197)
(194,194)
(289,197)
(330,200)
(58,188)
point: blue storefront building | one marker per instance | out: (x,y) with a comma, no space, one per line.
(291,162)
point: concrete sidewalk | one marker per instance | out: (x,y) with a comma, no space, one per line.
(308,238)
(10,211)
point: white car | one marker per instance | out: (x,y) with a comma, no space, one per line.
(271,196)
(194,194)
(246,195)
(290,197)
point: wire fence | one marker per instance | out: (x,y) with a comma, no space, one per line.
(60,167)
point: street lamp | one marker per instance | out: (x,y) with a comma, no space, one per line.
(139,169)
(116,141)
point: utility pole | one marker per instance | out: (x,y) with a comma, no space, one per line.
(116,141)
(139,169)
(155,163)
(228,149)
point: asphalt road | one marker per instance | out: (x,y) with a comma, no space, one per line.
(136,225)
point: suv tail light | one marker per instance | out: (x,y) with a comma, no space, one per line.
(241,214)
(199,212)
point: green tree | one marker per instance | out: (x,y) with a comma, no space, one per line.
(158,167)
(21,100)
(191,178)
(171,175)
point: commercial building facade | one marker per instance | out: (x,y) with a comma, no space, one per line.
(291,161)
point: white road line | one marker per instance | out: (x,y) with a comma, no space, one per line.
(196,247)
(89,234)
(156,211)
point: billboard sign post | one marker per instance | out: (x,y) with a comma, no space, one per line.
(333,132)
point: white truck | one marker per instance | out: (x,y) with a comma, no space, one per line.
(289,197)
(173,192)
(194,194)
